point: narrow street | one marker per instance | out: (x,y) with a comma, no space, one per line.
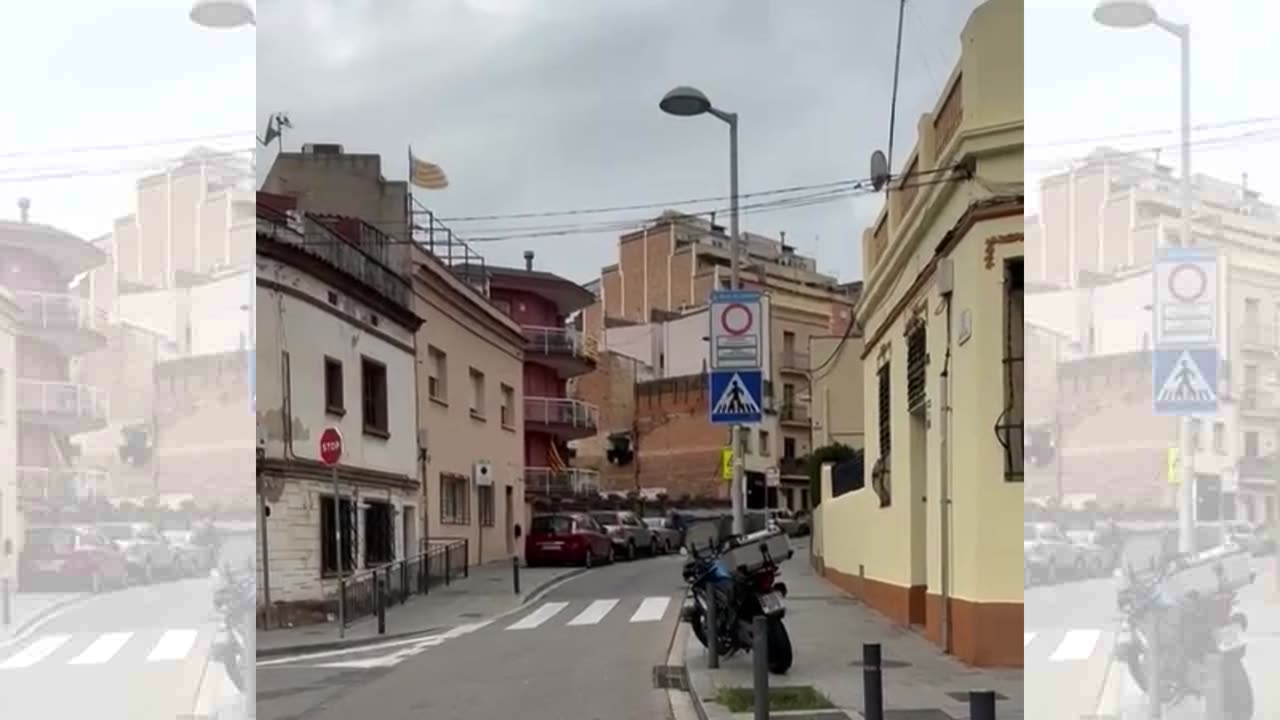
(586,650)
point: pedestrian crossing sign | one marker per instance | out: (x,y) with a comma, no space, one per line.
(1185,381)
(735,397)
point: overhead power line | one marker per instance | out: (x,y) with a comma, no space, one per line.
(125,146)
(154,165)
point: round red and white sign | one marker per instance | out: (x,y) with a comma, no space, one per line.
(1188,282)
(736,319)
(330,446)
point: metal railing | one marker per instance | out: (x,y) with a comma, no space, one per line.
(60,311)
(794,361)
(63,400)
(1257,336)
(794,413)
(570,481)
(559,341)
(443,561)
(793,466)
(40,483)
(561,411)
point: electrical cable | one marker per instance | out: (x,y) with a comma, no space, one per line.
(140,168)
(124,146)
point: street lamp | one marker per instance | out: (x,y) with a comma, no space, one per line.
(1129,14)
(685,101)
(222,14)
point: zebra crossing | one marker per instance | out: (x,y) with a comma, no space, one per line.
(650,609)
(96,649)
(1063,645)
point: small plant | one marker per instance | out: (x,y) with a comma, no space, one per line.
(781,699)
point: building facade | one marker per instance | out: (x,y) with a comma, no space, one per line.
(337,329)
(930,538)
(11,531)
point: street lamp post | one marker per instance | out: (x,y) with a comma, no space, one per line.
(686,101)
(1127,14)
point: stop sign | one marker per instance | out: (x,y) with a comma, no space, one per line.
(330,446)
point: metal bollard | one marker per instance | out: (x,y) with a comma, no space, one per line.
(982,705)
(760,667)
(713,631)
(5,609)
(1155,707)
(447,565)
(380,590)
(872,682)
(515,573)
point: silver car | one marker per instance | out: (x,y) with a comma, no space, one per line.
(666,536)
(147,552)
(628,534)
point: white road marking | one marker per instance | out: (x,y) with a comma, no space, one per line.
(1077,645)
(173,645)
(594,613)
(102,649)
(651,610)
(1026,639)
(361,664)
(539,616)
(35,652)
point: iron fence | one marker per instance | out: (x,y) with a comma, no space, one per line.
(444,560)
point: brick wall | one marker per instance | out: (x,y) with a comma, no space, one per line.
(678,448)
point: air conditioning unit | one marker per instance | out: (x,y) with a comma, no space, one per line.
(482,473)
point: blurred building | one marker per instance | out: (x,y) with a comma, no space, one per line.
(10,518)
(930,538)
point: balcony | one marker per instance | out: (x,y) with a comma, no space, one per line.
(793,467)
(794,415)
(1255,337)
(569,352)
(1256,402)
(69,322)
(62,406)
(561,483)
(794,362)
(59,485)
(568,419)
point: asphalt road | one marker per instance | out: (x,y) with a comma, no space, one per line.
(133,654)
(586,651)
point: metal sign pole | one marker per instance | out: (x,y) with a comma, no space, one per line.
(337,552)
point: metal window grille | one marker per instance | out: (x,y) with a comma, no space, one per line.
(917,359)
(1010,427)
(886,443)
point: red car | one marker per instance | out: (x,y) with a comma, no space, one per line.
(71,557)
(561,538)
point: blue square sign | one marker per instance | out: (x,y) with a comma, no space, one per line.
(735,397)
(1184,381)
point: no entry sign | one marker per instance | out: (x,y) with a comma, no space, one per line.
(330,446)
(1186,290)
(737,335)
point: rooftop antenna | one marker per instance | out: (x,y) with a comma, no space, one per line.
(276,124)
(879,170)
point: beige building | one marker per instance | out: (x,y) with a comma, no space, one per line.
(838,404)
(11,532)
(470,385)
(931,538)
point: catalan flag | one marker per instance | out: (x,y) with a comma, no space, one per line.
(426,175)
(554,461)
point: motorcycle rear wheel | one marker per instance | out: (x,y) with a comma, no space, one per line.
(1237,691)
(780,654)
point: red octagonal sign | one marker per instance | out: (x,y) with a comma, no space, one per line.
(330,446)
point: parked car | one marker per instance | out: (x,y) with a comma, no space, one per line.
(71,558)
(666,537)
(1049,553)
(804,523)
(147,551)
(1258,540)
(1093,559)
(192,556)
(784,520)
(560,538)
(628,533)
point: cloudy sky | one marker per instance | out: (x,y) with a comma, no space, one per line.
(1087,84)
(97,94)
(548,106)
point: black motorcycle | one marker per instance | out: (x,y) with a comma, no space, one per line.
(1189,629)
(740,596)
(235,599)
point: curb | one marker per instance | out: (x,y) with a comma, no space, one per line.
(533,596)
(18,632)
(684,704)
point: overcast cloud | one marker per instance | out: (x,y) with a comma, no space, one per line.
(540,106)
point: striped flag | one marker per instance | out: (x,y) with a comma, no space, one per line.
(426,175)
(554,461)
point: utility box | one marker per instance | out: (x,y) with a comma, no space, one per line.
(754,551)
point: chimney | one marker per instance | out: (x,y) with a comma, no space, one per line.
(528,260)
(24,208)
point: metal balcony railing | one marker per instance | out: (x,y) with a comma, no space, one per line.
(794,413)
(794,361)
(1256,336)
(559,341)
(793,466)
(39,483)
(570,481)
(1255,400)
(60,311)
(62,400)
(561,411)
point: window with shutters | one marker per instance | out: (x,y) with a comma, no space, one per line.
(1010,426)
(917,359)
(886,440)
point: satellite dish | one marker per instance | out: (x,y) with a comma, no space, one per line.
(879,170)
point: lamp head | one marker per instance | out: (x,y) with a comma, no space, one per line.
(685,101)
(1124,14)
(222,14)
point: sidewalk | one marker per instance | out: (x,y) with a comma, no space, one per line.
(26,609)
(827,631)
(487,592)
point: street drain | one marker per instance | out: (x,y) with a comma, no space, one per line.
(670,677)
(884,664)
(963,696)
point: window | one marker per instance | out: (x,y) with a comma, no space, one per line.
(764,443)
(374,392)
(917,358)
(788,448)
(1011,428)
(484,495)
(477,394)
(1220,438)
(508,406)
(328,542)
(438,377)
(333,387)
(379,533)
(886,441)
(455,506)
(1193,429)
